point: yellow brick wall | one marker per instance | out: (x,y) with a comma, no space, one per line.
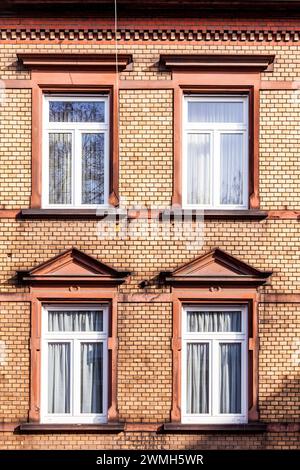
(14,361)
(146,147)
(15,149)
(146,55)
(268,245)
(149,441)
(279,362)
(279,149)
(145,362)
(145,330)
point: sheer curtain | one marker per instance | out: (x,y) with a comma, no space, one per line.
(90,367)
(92,168)
(59,377)
(71,320)
(230,378)
(213,321)
(229,364)
(91,377)
(198,178)
(198,378)
(214,111)
(231,169)
(60,168)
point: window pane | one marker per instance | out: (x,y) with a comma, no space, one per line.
(212,111)
(230,378)
(60,168)
(198,378)
(76,111)
(59,378)
(231,169)
(214,321)
(91,377)
(198,171)
(92,168)
(82,320)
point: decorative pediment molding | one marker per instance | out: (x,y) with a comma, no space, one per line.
(75,61)
(216,268)
(217,62)
(73,267)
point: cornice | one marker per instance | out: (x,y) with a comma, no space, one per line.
(139,34)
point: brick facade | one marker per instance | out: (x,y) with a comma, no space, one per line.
(146,179)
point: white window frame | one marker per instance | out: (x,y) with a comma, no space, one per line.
(215,130)
(214,339)
(76,129)
(75,338)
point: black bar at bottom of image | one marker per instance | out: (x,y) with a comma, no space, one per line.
(139,458)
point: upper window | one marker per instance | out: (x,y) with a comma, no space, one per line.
(75,151)
(214,364)
(74,364)
(215,149)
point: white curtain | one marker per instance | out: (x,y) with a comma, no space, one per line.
(92,168)
(231,169)
(198,178)
(91,377)
(59,378)
(81,320)
(213,111)
(230,378)
(213,321)
(197,378)
(60,168)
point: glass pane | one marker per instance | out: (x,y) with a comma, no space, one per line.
(198,378)
(76,111)
(213,111)
(60,168)
(81,320)
(231,169)
(59,363)
(92,168)
(214,321)
(91,378)
(198,169)
(230,378)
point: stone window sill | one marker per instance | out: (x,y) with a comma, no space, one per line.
(98,428)
(239,428)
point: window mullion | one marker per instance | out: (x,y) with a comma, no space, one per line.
(77,168)
(104,376)
(76,377)
(217,170)
(106,166)
(215,377)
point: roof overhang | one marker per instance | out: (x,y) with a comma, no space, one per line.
(170,8)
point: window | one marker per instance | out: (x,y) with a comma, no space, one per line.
(75,151)
(215,150)
(214,364)
(74,364)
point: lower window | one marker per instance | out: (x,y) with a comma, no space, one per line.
(214,364)
(74,364)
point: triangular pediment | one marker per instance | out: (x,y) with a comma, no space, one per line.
(216,266)
(73,265)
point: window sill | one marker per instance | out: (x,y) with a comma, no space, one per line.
(69,213)
(239,428)
(244,214)
(186,214)
(99,428)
